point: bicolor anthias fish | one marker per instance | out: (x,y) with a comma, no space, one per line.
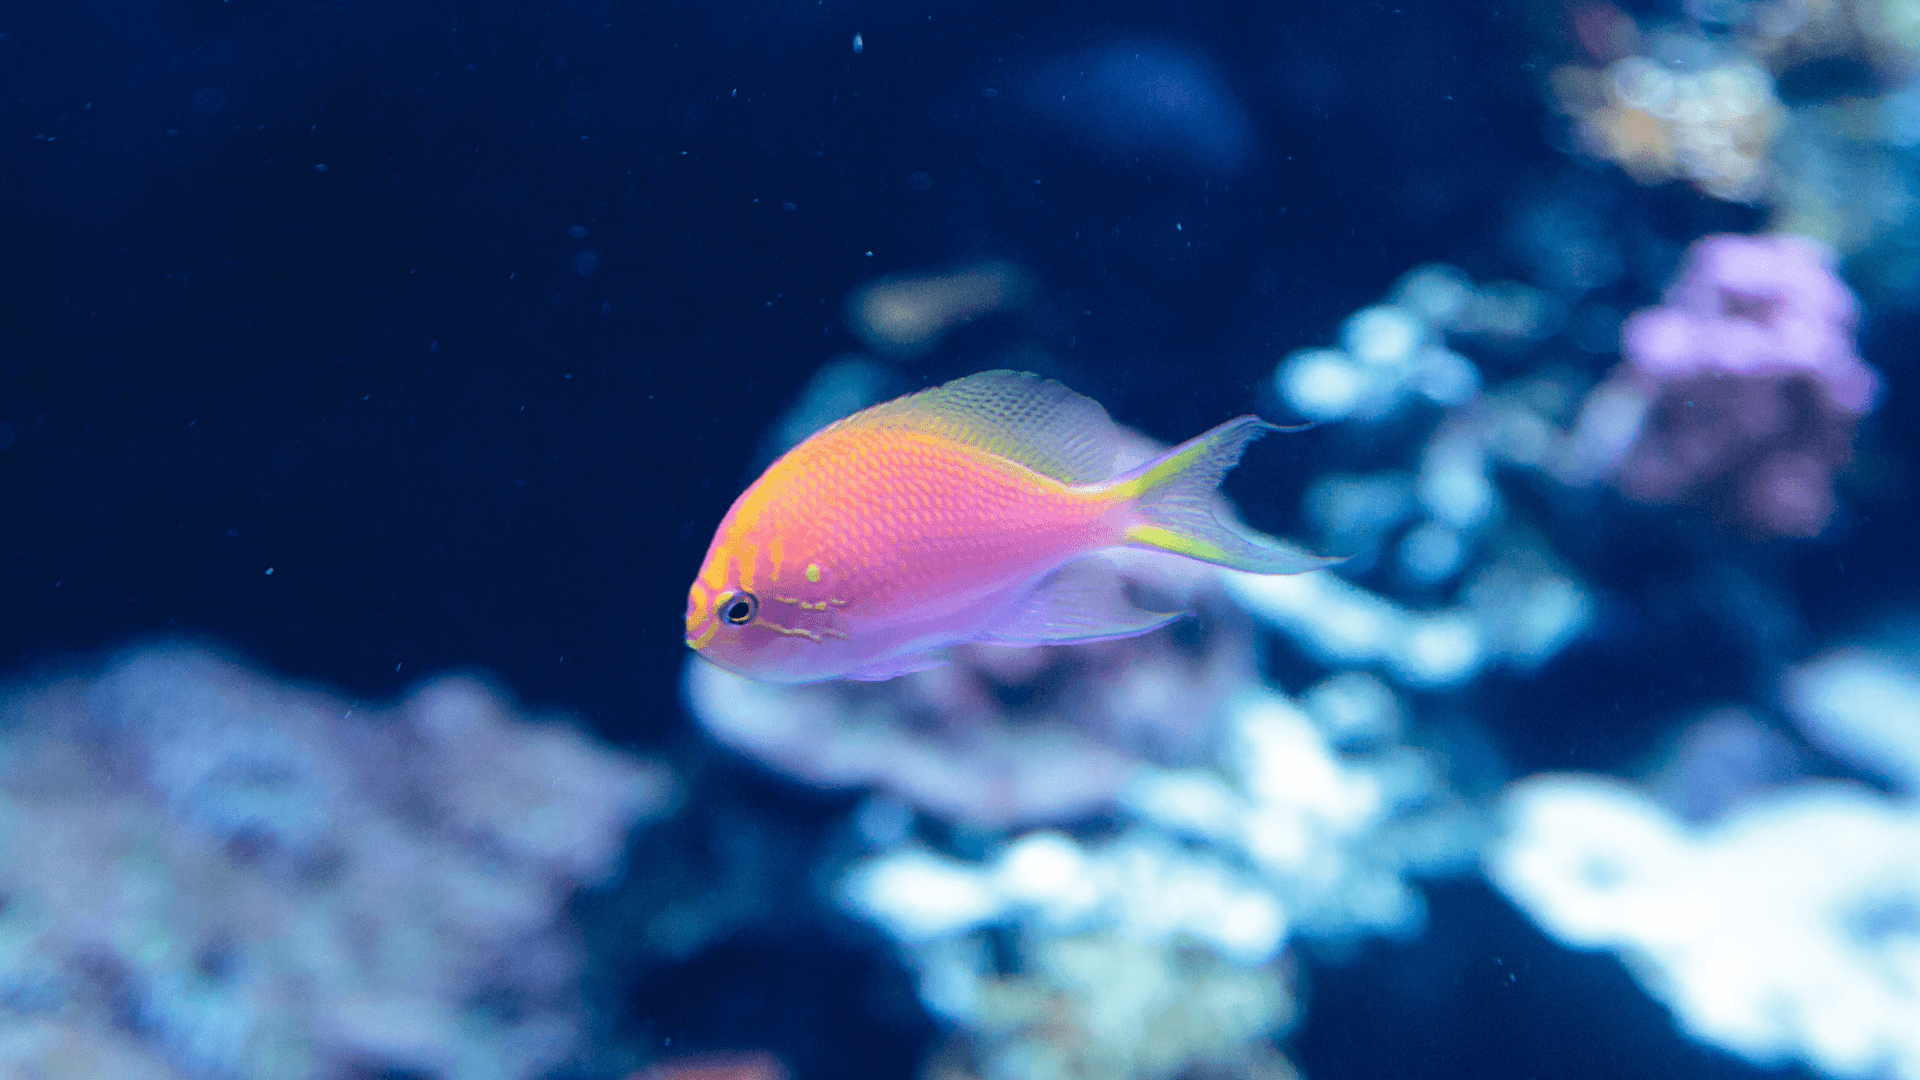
(969,512)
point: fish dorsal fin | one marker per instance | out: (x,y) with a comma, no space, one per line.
(1014,414)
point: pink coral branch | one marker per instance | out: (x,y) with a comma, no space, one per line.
(1739,392)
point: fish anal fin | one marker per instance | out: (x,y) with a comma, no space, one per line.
(894,667)
(1083,601)
(1013,414)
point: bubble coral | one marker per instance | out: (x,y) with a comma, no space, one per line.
(1739,392)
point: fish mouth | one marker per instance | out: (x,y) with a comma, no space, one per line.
(699,642)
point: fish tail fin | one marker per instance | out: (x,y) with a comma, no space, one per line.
(1173,495)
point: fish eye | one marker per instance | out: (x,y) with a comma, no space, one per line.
(740,609)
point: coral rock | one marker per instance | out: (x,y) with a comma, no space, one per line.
(1740,392)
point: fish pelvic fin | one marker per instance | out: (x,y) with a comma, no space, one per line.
(1173,497)
(882,670)
(1082,601)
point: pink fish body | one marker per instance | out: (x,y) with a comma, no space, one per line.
(972,511)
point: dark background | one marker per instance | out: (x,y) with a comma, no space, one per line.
(292,286)
(375,339)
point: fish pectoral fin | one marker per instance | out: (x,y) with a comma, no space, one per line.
(1082,601)
(893,667)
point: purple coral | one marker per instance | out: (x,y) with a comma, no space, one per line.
(1740,392)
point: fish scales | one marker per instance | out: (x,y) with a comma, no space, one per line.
(909,517)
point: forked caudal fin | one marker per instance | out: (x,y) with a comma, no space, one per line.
(1174,493)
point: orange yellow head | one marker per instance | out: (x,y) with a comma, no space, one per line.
(721,610)
(755,609)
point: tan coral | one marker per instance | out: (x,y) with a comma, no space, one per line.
(1101,1005)
(1883,34)
(1712,127)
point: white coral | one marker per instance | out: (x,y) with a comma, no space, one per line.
(1790,928)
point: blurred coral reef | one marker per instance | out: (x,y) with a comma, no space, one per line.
(1671,106)
(1442,523)
(1105,1005)
(1740,391)
(1862,705)
(1162,949)
(1783,930)
(1807,108)
(1781,925)
(206,873)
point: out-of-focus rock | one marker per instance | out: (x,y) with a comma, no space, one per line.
(39,1048)
(1862,706)
(1700,114)
(1740,392)
(235,877)
(1103,1005)
(1785,930)
(1722,761)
